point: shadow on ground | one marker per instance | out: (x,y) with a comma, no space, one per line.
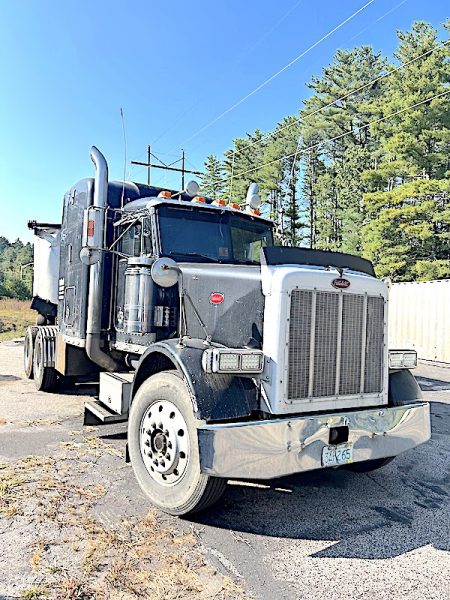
(381,514)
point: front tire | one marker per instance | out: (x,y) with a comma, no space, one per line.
(45,378)
(163,447)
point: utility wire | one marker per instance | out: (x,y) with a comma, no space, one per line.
(351,93)
(337,137)
(235,63)
(272,77)
(394,8)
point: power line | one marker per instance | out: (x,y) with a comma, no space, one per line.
(340,136)
(394,8)
(351,93)
(234,64)
(272,77)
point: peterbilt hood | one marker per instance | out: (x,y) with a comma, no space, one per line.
(228,299)
(325,332)
(286,277)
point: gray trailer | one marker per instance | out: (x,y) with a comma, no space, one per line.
(228,356)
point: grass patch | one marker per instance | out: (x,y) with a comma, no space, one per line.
(75,555)
(15,317)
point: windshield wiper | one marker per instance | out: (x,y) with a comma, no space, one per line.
(196,254)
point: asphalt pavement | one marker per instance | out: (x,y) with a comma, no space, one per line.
(329,534)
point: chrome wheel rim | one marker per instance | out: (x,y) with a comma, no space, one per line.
(164,442)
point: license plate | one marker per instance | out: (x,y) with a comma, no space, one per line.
(342,454)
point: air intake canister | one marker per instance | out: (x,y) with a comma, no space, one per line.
(139,290)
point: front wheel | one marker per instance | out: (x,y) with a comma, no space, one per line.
(163,447)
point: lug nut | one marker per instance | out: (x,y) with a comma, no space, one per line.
(163,464)
(153,425)
(168,456)
(166,432)
(160,426)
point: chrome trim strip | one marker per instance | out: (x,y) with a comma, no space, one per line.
(363,346)
(273,448)
(312,344)
(339,344)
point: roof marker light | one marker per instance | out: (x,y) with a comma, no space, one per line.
(165,194)
(234,205)
(220,202)
(199,199)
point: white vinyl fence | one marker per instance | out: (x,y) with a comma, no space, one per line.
(419,318)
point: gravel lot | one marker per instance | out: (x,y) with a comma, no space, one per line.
(331,534)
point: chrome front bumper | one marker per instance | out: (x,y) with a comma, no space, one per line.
(268,449)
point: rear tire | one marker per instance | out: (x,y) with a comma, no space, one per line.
(369,465)
(45,378)
(28,351)
(163,447)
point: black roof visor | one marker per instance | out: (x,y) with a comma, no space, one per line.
(287,255)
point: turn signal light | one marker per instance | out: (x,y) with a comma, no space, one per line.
(402,359)
(165,194)
(232,360)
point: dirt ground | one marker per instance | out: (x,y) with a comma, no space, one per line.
(75,525)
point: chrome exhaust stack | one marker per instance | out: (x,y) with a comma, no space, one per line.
(96,272)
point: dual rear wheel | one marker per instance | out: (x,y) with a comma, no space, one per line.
(45,378)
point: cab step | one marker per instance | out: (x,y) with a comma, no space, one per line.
(96,413)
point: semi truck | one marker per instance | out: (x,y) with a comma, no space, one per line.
(229,357)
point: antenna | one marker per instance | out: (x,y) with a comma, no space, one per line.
(124,157)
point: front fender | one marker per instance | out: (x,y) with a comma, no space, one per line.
(403,388)
(215,397)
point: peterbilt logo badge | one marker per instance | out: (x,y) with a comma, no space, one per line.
(340,283)
(216,298)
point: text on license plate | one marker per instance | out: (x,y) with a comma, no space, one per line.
(341,454)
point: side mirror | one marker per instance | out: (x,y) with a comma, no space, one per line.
(165,272)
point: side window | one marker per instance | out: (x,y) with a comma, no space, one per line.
(137,241)
(147,246)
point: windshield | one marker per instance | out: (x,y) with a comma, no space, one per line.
(219,236)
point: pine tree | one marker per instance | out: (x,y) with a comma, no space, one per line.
(280,180)
(213,182)
(242,165)
(337,142)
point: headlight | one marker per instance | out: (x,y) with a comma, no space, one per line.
(402,359)
(230,360)
(251,362)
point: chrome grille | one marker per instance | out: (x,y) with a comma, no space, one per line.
(335,344)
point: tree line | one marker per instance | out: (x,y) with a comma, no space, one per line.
(364,167)
(15,269)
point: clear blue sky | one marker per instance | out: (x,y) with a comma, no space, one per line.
(68,66)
